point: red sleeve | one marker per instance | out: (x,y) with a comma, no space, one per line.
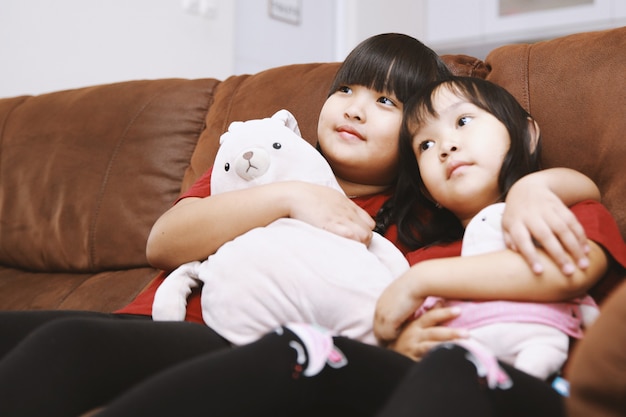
(201,188)
(601,227)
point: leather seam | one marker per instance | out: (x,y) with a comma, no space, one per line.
(105,181)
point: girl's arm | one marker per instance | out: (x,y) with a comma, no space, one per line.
(537,208)
(195,228)
(502,275)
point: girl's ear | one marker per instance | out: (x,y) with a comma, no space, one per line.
(534,132)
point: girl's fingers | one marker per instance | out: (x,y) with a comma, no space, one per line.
(436,317)
(561,237)
(572,239)
(415,341)
(519,240)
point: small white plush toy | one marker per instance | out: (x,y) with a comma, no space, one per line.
(533,337)
(288,271)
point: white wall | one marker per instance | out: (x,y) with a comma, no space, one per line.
(263,41)
(51,45)
(481,27)
(327,31)
(363,18)
(473,27)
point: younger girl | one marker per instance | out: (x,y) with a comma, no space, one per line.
(300,369)
(471,141)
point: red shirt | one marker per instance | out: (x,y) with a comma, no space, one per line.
(142,305)
(599,226)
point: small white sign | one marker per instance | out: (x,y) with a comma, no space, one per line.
(288,11)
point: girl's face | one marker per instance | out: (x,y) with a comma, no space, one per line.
(358,132)
(460,153)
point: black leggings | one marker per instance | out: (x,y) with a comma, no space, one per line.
(67,363)
(445,384)
(266,378)
(64,363)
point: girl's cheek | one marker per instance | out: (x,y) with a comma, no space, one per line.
(426,170)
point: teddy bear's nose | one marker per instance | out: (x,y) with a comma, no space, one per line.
(252,163)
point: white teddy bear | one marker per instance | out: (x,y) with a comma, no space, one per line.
(288,271)
(533,337)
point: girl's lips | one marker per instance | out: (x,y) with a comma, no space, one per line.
(453,166)
(349,131)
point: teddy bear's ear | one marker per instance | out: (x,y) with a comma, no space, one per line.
(288,120)
(231,127)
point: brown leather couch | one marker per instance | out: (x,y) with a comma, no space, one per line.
(84,173)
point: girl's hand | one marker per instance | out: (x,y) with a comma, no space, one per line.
(421,335)
(534,215)
(330,210)
(395,307)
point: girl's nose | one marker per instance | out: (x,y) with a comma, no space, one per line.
(447,150)
(354,111)
(353,114)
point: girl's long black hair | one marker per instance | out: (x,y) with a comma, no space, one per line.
(420,221)
(391,63)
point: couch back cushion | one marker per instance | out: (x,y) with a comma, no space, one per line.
(301,89)
(83,174)
(575,87)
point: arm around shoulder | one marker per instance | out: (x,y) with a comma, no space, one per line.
(504,275)
(537,211)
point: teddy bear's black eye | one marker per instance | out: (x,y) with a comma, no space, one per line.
(226,166)
(277,145)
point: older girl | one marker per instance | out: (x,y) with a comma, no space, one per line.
(65,362)
(471,141)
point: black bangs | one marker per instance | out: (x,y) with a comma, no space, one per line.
(369,71)
(390,63)
(368,67)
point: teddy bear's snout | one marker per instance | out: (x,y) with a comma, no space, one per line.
(252,163)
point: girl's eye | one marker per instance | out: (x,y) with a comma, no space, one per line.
(464,120)
(426,145)
(344,89)
(387,101)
